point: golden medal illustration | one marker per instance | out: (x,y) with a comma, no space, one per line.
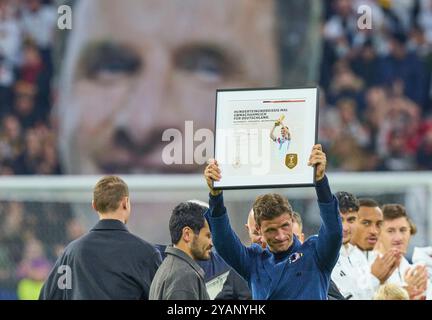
(291,160)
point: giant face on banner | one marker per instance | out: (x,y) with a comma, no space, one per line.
(133,69)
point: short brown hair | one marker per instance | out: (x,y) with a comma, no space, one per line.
(108,193)
(395,211)
(270,206)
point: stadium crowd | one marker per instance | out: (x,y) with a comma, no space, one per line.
(27,138)
(375,112)
(27,143)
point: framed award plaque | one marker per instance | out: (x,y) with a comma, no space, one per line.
(264,137)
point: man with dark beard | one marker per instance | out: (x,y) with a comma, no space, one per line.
(180,277)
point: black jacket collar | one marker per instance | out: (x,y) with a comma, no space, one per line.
(109,224)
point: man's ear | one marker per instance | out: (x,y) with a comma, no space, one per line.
(187,234)
(129,203)
(124,203)
(93,205)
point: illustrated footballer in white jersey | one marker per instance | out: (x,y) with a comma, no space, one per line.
(282,142)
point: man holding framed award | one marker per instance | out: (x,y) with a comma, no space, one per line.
(246,118)
(285,269)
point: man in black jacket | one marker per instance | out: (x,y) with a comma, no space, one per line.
(108,262)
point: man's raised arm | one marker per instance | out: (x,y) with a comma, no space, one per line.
(272,136)
(226,242)
(330,232)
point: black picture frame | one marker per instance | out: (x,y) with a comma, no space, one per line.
(314,108)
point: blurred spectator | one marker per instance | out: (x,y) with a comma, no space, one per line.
(10,35)
(11,142)
(401,65)
(11,247)
(32,269)
(34,70)
(31,64)
(50,164)
(30,286)
(418,43)
(6,168)
(7,285)
(32,158)
(403,116)
(397,158)
(38,23)
(328,116)
(376,110)
(349,123)
(74,230)
(398,14)
(346,155)
(424,153)
(345,83)
(24,107)
(365,64)
(341,29)
(424,18)
(33,249)
(9,51)
(6,83)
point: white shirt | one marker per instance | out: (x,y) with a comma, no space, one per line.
(40,25)
(398,276)
(424,256)
(352,275)
(283,146)
(370,256)
(10,39)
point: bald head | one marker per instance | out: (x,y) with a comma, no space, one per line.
(254,235)
(251,220)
